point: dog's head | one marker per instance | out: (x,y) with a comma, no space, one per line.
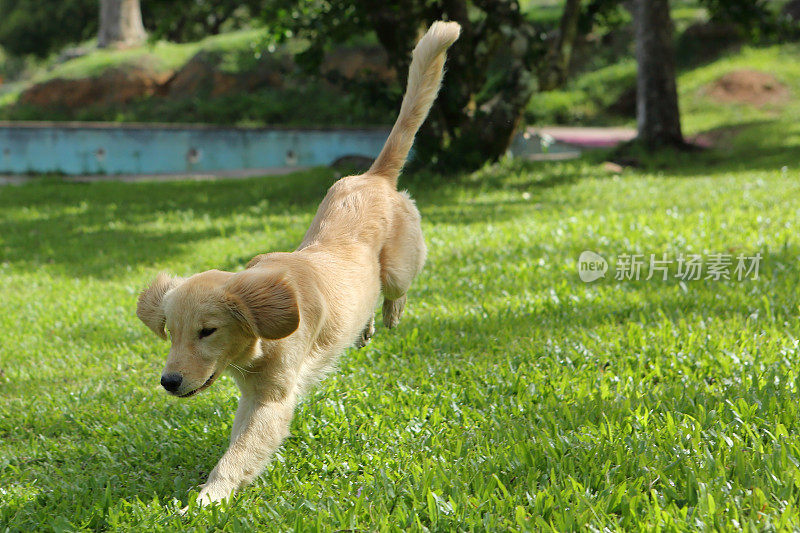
(213,319)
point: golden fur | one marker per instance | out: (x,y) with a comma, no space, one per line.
(286,318)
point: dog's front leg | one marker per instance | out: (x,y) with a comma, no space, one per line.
(243,412)
(263,426)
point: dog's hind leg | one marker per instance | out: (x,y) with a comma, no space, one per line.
(402,258)
(393,311)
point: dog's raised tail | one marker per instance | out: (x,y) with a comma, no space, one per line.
(424,78)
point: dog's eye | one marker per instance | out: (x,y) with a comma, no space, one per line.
(205,332)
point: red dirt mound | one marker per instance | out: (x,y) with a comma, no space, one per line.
(748,87)
(203,74)
(115,86)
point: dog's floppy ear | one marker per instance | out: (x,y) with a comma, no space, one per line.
(265,302)
(150,309)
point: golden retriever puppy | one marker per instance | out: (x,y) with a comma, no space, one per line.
(286,318)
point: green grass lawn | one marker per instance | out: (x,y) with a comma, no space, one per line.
(512,396)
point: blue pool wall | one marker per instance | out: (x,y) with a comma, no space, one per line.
(155,149)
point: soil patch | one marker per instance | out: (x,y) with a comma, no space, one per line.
(115,86)
(748,87)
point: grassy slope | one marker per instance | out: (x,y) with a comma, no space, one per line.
(161,56)
(584,101)
(702,113)
(605,72)
(512,395)
(302,102)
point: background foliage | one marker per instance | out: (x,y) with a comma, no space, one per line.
(40,27)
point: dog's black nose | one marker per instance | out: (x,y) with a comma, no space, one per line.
(172,381)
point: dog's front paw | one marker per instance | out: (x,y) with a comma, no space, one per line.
(210,493)
(213,493)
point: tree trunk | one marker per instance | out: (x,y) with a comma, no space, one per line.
(120,24)
(657,115)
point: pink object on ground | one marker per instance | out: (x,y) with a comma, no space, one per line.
(586,137)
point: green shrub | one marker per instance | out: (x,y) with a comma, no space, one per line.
(40,27)
(587,100)
(308,105)
(559,107)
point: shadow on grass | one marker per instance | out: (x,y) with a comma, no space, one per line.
(471,199)
(758,145)
(100,229)
(158,458)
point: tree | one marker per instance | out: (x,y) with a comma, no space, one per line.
(40,27)
(192,20)
(754,17)
(491,69)
(657,115)
(120,24)
(560,54)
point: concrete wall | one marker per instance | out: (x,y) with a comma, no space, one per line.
(160,149)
